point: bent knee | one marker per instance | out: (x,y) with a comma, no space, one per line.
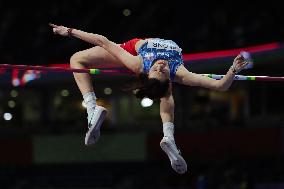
(77,60)
(89,57)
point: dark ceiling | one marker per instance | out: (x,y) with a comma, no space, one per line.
(26,38)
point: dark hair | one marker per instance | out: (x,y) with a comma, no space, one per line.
(149,87)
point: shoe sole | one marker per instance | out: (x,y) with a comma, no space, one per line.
(93,133)
(177,161)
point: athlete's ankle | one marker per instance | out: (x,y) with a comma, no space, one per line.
(90,101)
(168,129)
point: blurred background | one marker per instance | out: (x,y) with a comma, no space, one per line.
(230,140)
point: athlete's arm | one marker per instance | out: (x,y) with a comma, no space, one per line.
(183,76)
(131,62)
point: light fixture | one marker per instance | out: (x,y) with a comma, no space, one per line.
(146,102)
(7,116)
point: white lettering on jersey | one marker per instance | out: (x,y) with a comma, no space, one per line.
(163,45)
(163,54)
(149,56)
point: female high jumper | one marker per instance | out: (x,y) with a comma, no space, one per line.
(157,63)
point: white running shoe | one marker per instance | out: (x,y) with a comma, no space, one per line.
(177,162)
(94,124)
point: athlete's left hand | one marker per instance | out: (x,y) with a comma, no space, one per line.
(239,64)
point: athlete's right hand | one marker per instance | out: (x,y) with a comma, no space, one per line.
(60,30)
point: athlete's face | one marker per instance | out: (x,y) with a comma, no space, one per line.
(160,70)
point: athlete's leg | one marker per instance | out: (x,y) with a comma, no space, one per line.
(90,58)
(168,144)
